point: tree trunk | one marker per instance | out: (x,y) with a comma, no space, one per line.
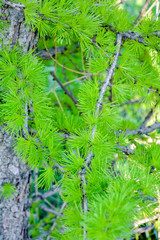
(14,212)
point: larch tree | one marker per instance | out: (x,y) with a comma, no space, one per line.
(79,101)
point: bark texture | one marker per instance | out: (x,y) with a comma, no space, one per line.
(14,212)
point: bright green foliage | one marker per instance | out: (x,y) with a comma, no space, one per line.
(120,189)
(7,190)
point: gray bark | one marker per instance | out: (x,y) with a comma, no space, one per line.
(14,212)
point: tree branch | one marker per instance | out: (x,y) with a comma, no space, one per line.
(98,106)
(143,10)
(131,102)
(149,115)
(126,149)
(39,196)
(143,229)
(145,220)
(103,89)
(14,5)
(43,53)
(144,130)
(133,35)
(46,209)
(55,222)
(64,88)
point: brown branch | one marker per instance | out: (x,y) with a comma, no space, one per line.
(149,115)
(143,10)
(75,65)
(46,209)
(64,88)
(43,53)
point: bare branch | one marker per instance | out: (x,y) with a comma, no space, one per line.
(39,196)
(149,115)
(143,229)
(131,102)
(64,88)
(134,36)
(144,130)
(43,53)
(126,149)
(103,89)
(75,65)
(149,10)
(156,17)
(14,5)
(55,222)
(143,10)
(98,107)
(46,209)
(145,220)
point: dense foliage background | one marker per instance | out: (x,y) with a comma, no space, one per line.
(95,160)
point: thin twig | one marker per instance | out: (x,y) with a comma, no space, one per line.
(58,100)
(105,84)
(74,80)
(156,17)
(55,47)
(55,222)
(44,54)
(149,115)
(64,88)
(66,83)
(14,5)
(143,10)
(95,44)
(144,130)
(157,10)
(131,102)
(149,10)
(75,65)
(69,69)
(145,220)
(40,196)
(82,57)
(143,229)
(25,129)
(46,209)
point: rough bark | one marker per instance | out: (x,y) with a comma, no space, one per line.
(14,212)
